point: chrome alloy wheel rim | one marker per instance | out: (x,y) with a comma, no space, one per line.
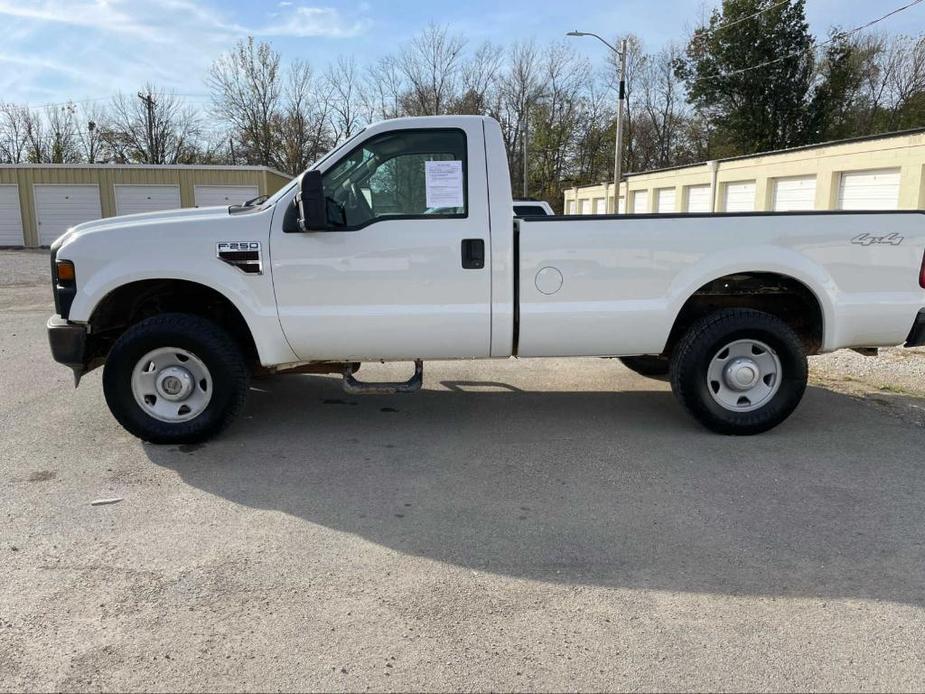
(171,384)
(744,375)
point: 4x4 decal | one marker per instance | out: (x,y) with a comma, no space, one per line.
(868,240)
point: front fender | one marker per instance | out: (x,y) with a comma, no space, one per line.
(180,251)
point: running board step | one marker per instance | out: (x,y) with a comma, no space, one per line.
(412,385)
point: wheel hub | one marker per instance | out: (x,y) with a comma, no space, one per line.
(742,374)
(171,384)
(174,383)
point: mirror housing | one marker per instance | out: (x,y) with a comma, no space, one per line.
(310,203)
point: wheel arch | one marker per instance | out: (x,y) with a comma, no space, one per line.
(127,304)
(796,298)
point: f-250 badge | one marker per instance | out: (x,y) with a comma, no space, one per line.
(244,255)
(868,240)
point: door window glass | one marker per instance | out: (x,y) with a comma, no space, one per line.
(386,177)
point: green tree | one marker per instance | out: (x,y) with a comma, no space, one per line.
(749,72)
(838,103)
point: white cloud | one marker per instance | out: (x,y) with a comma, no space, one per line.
(306,21)
(79,49)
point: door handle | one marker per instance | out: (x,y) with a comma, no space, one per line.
(473,254)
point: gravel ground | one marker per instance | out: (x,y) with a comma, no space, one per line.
(540,525)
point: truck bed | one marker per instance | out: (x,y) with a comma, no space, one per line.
(614,284)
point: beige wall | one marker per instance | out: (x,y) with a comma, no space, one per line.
(105,176)
(905,152)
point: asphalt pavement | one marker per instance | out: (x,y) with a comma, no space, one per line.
(518,525)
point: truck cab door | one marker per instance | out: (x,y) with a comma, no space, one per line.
(401,270)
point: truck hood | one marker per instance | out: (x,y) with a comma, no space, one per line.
(131,222)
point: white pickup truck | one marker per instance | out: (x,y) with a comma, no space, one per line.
(401,245)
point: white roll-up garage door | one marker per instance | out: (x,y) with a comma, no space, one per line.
(739,197)
(211,196)
(699,199)
(640,202)
(869,190)
(132,199)
(665,200)
(10,216)
(58,207)
(586,206)
(797,193)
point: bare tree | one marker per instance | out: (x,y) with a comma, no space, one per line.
(247,88)
(382,92)
(36,143)
(13,138)
(903,78)
(152,127)
(302,126)
(662,113)
(91,124)
(554,117)
(431,64)
(342,85)
(519,86)
(61,134)
(480,81)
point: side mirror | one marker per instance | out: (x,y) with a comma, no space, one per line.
(310,203)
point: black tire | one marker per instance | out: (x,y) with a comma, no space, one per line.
(704,340)
(201,337)
(648,365)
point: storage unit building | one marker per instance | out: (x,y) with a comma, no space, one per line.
(877,172)
(38,202)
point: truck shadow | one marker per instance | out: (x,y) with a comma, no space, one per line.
(598,488)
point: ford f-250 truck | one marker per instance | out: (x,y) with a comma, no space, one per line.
(401,245)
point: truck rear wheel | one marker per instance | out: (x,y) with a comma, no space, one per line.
(739,371)
(175,378)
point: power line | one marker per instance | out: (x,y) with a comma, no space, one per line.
(839,35)
(726,25)
(75,102)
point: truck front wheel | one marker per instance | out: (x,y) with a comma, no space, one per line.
(175,378)
(739,371)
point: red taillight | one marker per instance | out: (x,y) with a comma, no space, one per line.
(922,274)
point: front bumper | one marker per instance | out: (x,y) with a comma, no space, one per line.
(917,334)
(68,342)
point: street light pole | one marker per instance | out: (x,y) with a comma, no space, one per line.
(618,146)
(621,99)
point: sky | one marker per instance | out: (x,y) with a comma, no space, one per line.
(58,50)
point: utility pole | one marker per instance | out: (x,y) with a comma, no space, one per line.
(621,99)
(149,125)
